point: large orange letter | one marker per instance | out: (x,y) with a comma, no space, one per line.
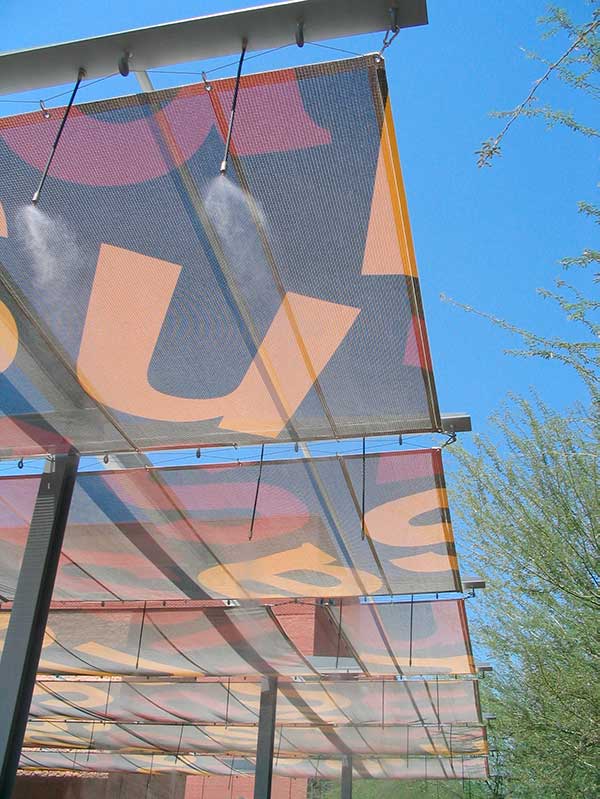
(392,522)
(116,351)
(271,570)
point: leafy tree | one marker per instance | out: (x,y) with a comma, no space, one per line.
(530,517)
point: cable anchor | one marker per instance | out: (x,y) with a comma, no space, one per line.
(206,82)
(450,440)
(390,33)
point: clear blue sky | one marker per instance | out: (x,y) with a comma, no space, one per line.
(488,238)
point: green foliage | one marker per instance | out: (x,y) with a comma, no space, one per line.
(530,516)
(399,789)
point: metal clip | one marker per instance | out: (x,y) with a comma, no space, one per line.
(207,85)
(390,33)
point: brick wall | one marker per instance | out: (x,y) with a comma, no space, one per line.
(216,787)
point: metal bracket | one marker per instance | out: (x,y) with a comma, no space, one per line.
(124,63)
(455,423)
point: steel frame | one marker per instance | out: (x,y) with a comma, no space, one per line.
(265,27)
(29,614)
(266,739)
(346,787)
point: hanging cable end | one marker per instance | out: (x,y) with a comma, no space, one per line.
(35,198)
(223,167)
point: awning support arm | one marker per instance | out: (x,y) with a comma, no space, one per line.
(27,626)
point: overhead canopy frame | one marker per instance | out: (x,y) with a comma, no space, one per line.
(205,37)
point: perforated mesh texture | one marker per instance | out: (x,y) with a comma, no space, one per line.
(436,741)
(382,768)
(421,637)
(356,702)
(278,303)
(189,641)
(189,532)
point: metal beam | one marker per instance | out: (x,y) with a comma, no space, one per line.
(456,423)
(346,792)
(203,38)
(266,738)
(25,634)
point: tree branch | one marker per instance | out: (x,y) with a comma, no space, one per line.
(491,147)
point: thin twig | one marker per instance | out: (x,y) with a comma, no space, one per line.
(491,147)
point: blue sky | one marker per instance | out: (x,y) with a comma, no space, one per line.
(487,238)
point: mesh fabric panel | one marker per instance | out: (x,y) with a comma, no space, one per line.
(281,302)
(203,532)
(340,703)
(220,641)
(42,405)
(17,501)
(100,735)
(382,768)
(421,637)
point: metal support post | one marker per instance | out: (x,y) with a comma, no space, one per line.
(25,634)
(266,739)
(346,792)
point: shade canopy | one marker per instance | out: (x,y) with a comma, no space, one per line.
(188,641)
(411,768)
(446,741)
(355,702)
(149,301)
(320,527)
(192,641)
(400,638)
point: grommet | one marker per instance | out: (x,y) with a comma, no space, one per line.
(105,458)
(44,110)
